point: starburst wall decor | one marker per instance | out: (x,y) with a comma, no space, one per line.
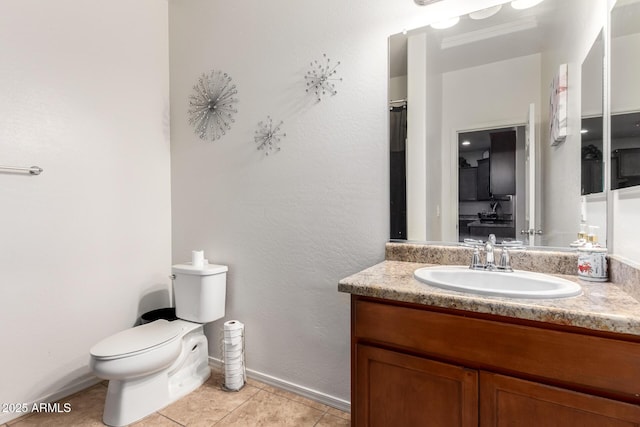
(321,76)
(268,136)
(212,105)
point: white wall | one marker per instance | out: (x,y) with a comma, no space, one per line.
(468,105)
(84,95)
(292,224)
(626,205)
(397,88)
(420,197)
(625,65)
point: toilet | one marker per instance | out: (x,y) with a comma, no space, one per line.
(153,365)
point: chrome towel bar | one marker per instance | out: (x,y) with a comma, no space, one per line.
(33,170)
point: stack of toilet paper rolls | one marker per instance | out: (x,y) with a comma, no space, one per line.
(234,369)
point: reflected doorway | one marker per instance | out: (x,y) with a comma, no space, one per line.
(491,180)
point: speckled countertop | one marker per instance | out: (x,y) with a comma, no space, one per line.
(602,306)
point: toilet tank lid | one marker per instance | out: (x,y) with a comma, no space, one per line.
(206,270)
(137,339)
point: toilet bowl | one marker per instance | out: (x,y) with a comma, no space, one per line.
(155,364)
(137,351)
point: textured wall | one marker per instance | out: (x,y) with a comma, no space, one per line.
(84,90)
(292,224)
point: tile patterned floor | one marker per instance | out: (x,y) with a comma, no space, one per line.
(257,404)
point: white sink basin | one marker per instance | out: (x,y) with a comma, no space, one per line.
(518,284)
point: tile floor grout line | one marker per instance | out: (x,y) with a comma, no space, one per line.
(238,406)
(234,409)
(169,418)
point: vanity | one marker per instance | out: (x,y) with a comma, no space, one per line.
(426,356)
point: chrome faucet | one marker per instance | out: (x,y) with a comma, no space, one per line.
(490,262)
(505,261)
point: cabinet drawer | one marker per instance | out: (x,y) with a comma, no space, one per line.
(603,366)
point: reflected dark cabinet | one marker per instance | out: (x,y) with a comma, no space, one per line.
(591,176)
(467,184)
(496,175)
(484,179)
(625,168)
(503,163)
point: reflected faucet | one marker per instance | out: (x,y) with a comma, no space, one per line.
(490,261)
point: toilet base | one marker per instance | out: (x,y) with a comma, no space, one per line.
(131,400)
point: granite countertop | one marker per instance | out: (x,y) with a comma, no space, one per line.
(602,306)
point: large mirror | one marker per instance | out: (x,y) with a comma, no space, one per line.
(591,129)
(472,151)
(625,94)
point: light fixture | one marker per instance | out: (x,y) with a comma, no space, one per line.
(447,23)
(490,32)
(425,2)
(584,130)
(524,4)
(485,13)
(466,143)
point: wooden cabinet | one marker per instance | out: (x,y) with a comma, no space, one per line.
(467,184)
(415,365)
(404,390)
(506,400)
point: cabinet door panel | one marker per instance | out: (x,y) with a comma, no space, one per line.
(396,389)
(468,184)
(506,401)
(484,179)
(503,162)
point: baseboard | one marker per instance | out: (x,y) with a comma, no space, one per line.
(78,385)
(309,393)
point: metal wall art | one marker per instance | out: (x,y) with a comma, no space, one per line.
(211,105)
(268,136)
(321,76)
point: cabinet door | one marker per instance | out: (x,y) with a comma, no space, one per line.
(506,401)
(467,183)
(503,162)
(395,389)
(484,179)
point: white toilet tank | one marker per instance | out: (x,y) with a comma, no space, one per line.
(200,292)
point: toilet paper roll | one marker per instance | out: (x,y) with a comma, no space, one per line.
(233,331)
(233,355)
(197,259)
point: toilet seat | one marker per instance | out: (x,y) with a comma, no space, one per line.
(140,339)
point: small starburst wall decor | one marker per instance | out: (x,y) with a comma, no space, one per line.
(321,77)
(268,136)
(212,105)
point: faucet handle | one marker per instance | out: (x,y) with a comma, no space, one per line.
(475,260)
(505,261)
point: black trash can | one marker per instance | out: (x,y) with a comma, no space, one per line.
(168,313)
